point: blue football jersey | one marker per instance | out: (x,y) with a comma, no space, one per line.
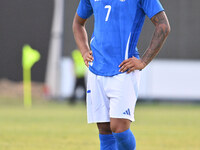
(117,26)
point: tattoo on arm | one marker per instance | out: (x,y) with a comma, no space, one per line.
(160,34)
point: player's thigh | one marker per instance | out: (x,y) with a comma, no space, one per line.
(97,101)
(123,92)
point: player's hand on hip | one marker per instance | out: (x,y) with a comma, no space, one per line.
(131,64)
(87,57)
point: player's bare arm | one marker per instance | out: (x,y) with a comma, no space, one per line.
(81,39)
(162,29)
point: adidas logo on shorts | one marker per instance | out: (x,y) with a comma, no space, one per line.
(127,112)
(88,91)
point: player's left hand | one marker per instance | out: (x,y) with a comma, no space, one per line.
(131,64)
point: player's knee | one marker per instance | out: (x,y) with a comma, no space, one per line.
(104,128)
(119,125)
(116,128)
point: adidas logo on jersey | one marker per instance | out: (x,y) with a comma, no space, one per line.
(127,112)
(122,0)
(97,0)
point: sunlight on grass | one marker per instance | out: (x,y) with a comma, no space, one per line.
(53,125)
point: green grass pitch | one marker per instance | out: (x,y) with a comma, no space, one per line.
(58,126)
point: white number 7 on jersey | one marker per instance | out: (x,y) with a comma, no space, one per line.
(108,13)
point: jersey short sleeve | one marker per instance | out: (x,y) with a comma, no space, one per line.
(151,7)
(85,9)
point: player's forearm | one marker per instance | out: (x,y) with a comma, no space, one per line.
(160,34)
(81,37)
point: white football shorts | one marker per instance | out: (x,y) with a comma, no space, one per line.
(112,97)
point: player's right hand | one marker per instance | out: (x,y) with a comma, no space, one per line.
(87,57)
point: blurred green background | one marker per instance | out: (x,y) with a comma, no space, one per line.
(51,125)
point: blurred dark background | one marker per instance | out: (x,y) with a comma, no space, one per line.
(24,22)
(29,22)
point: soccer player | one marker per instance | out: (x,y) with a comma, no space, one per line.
(114,62)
